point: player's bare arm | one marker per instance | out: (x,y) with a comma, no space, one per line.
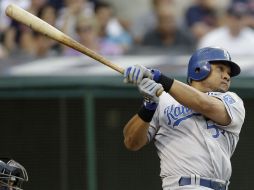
(135,133)
(136,130)
(200,102)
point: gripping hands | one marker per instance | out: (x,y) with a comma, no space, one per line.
(151,83)
(135,74)
(146,80)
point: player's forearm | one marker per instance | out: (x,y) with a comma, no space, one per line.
(189,96)
(135,133)
(209,106)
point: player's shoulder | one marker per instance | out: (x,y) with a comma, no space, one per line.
(230,97)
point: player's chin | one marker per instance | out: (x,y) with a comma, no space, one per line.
(223,88)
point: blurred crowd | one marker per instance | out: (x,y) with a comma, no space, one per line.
(159,30)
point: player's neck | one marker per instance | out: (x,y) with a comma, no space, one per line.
(199,86)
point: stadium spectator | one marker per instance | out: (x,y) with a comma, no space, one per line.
(250,16)
(234,36)
(3,52)
(36,5)
(18,37)
(4,20)
(70,12)
(87,35)
(147,21)
(43,46)
(110,32)
(57,4)
(201,18)
(167,33)
(49,14)
(249,20)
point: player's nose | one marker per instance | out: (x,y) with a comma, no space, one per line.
(226,76)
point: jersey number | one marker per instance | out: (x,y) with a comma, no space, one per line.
(217,130)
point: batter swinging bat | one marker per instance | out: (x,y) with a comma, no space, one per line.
(46,29)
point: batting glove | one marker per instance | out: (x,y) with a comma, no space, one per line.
(148,89)
(136,73)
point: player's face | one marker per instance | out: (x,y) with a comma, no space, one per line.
(219,78)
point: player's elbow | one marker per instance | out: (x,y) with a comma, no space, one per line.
(131,144)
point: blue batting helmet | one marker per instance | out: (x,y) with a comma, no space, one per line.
(200,63)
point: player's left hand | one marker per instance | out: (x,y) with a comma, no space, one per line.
(148,89)
(136,73)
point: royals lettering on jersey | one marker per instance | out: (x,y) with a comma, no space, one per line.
(177,113)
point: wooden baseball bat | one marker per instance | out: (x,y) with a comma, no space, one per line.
(48,30)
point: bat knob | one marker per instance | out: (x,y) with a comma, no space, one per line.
(159,92)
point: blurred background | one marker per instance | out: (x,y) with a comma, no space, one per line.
(62,113)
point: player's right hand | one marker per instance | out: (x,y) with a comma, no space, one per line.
(148,88)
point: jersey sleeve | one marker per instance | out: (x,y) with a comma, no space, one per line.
(235,108)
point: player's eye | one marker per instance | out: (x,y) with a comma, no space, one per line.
(224,69)
(220,68)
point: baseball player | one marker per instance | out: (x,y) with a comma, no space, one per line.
(12,175)
(195,126)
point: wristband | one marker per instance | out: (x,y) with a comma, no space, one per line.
(156,75)
(166,82)
(146,114)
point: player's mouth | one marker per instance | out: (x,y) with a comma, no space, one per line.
(225,83)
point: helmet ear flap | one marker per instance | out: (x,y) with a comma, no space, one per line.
(198,71)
